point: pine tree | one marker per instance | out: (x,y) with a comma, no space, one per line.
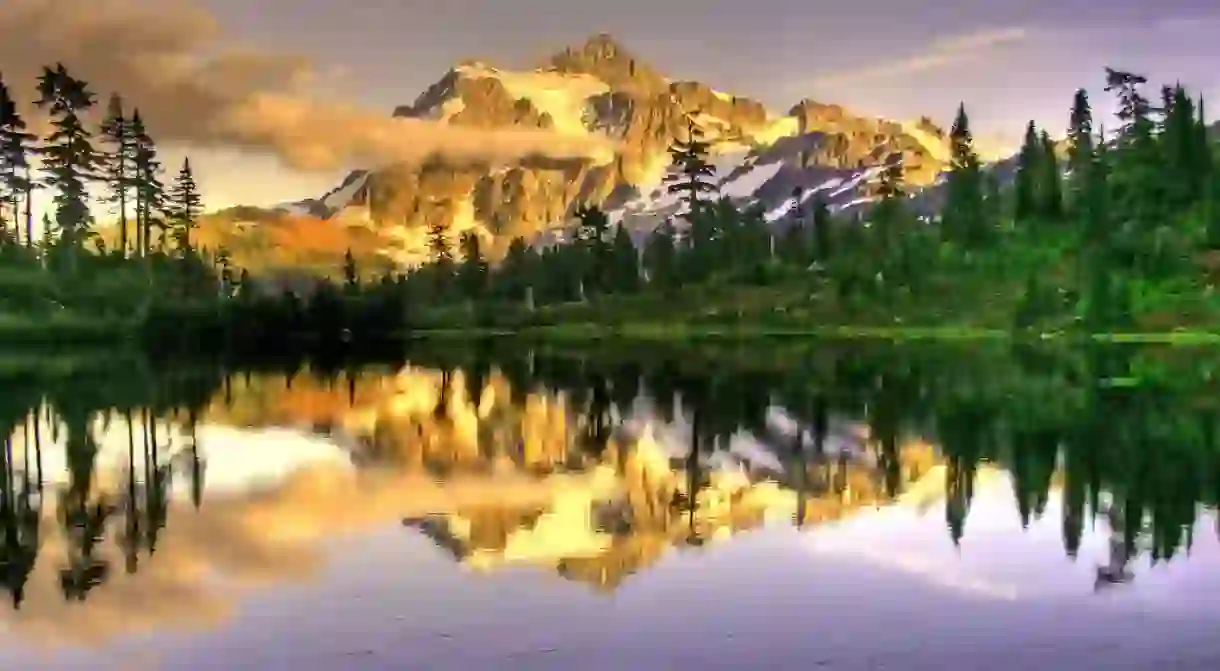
(888,222)
(474,265)
(690,173)
(963,219)
(68,156)
(660,256)
(1025,187)
(822,234)
(1137,184)
(993,198)
(1181,149)
(592,232)
(1080,148)
(439,243)
(1098,240)
(351,274)
(185,206)
(625,261)
(149,189)
(513,273)
(1134,110)
(118,161)
(15,149)
(1208,188)
(1050,184)
(797,245)
(1204,142)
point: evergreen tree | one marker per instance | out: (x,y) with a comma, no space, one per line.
(1025,186)
(513,275)
(15,147)
(593,228)
(1181,149)
(68,156)
(993,198)
(439,244)
(118,161)
(625,261)
(351,275)
(474,265)
(1203,140)
(690,173)
(797,247)
(1050,184)
(888,223)
(1136,182)
(1098,240)
(1080,148)
(185,205)
(150,197)
(822,234)
(963,218)
(660,256)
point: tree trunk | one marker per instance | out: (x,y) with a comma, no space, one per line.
(139,212)
(123,219)
(29,214)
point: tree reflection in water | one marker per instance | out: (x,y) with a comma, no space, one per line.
(817,435)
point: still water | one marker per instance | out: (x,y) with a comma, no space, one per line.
(830,506)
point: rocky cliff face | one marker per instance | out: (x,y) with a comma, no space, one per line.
(602,88)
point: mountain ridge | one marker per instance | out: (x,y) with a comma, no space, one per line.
(602,88)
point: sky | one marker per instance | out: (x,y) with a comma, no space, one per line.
(1009,62)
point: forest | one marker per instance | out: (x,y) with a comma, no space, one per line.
(1109,231)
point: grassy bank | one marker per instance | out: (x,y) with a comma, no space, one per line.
(63,328)
(948,308)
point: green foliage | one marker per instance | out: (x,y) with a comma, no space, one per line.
(68,156)
(1120,242)
(691,175)
(184,206)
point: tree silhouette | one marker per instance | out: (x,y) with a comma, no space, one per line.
(68,155)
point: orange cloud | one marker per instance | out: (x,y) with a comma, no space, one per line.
(169,58)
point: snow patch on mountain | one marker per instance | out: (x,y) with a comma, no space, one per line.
(786,207)
(746,183)
(856,181)
(346,193)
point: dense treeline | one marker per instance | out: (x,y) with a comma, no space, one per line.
(71,276)
(1110,229)
(1104,231)
(45,410)
(47,263)
(979,404)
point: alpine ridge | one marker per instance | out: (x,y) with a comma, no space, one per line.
(600,87)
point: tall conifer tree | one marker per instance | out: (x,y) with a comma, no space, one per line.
(118,162)
(68,155)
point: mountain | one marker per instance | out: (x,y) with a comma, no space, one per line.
(601,88)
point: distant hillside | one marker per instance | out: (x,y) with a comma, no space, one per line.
(270,241)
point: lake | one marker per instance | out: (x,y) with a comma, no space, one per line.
(789,505)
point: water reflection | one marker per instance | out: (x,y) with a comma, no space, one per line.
(126,510)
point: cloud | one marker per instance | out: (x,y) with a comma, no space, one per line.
(939,53)
(170,58)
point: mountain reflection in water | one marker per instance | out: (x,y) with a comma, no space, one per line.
(172,504)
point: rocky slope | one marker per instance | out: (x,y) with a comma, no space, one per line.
(601,88)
